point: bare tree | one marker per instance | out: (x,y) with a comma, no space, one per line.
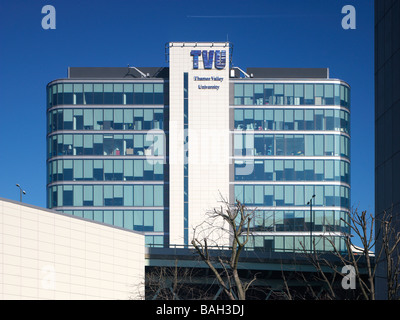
(234,221)
(363,259)
(388,253)
(173,283)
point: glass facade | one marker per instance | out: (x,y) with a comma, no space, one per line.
(290,94)
(289,195)
(140,144)
(107,157)
(292,119)
(292,170)
(105,94)
(298,145)
(101,195)
(291,141)
(105,119)
(106,154)
(105,170)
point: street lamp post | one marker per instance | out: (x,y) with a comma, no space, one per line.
(20,192)
(311,220)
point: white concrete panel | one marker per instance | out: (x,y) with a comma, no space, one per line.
(47,255)
(208,136)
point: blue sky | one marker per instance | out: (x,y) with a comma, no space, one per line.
(265,33)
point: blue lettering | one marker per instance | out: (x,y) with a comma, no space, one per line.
(220,59)
(195,54)
(208,59)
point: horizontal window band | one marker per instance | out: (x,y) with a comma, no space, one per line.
(113,208)
(289,132)
(119,81)
(101,183)
(298,208)
(289,81)
(108,157)
(298,233)
(107,106)
(264,157)
(291,183)
(107,132)
(289,106)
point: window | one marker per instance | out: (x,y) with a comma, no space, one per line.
(68,119)
(319,94)
(67,197)
(148,94)
(289,94)
(158,94)
(88,169)
(78,119)
(118,195)
(68,171)
(98,144)
(118,119)
(138,195)
(309,119)
(98,93)
(128,94)
(319,145)
(278,116)
(88,195)
(158,195)
(108,93)
(108,170)
(329,100)
(289,170)
(118,93)
(148,119)
(88,144)
(278,92)
(248,94)
(289,123)
(128,119)
(309,94)
(78,170)
(128,169)
(329,145)
(268,169)
(239,93)
(258,94)
(88,93)
(298,94)
(98,170)
(138,93)
(118,170)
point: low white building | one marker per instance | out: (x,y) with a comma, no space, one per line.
(45,254)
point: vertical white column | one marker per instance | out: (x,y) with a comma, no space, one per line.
(208,136)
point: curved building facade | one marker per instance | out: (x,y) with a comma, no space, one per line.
(292,160)
(152,149)
(106,153)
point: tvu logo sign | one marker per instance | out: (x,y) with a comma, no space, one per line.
(210,57)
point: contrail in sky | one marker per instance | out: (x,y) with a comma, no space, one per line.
(251,16)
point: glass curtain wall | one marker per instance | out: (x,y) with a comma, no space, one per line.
(106,154)
(291,141)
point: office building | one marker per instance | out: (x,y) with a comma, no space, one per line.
(154,149)
(387,112)
(100,154)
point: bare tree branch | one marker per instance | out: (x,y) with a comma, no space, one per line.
(238,220)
